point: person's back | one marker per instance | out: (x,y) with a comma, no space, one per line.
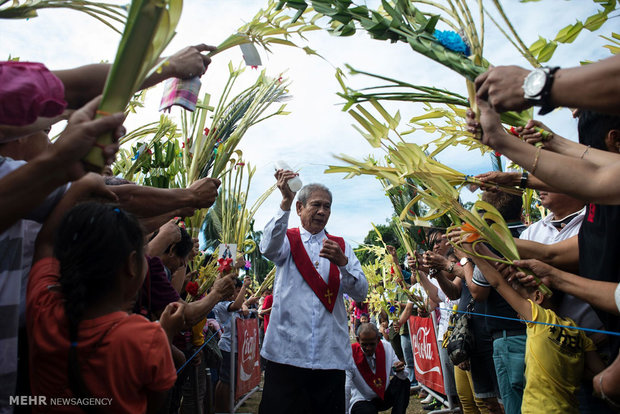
(83,343)
(121,356)
(554,363)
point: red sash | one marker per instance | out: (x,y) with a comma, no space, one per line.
(377,380)
(326,292)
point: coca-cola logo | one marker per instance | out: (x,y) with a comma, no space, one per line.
(421,345)
(248,350)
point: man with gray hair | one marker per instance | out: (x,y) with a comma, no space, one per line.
(372,390)
(307,346)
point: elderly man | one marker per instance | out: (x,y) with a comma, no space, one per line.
(372,390)
(307,347)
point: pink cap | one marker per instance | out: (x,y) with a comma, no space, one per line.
(29,90)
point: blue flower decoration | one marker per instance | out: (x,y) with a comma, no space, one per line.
(135,157)
(452,40)
(392,309)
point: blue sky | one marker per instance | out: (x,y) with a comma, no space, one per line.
(317,128)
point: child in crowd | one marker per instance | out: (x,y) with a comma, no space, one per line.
(364,318)
(556,357)
(83,341)
(226,313)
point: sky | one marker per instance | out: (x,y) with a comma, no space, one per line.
(316,128)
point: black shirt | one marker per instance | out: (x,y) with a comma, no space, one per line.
(599,255)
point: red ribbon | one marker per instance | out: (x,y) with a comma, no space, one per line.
(376,381)
(326,292)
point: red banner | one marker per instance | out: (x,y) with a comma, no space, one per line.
(248,363)
(425,353)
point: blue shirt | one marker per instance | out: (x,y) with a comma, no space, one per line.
(303,333)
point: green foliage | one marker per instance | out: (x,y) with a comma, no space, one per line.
(389,236)
(112,15)
(395,21)
(614,47)
(543,49)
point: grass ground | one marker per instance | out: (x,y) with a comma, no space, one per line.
(251,405)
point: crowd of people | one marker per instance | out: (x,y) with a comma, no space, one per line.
(94,270)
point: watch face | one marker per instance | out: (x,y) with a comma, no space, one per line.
(534,83)
(463,261)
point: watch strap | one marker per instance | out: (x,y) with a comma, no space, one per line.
(545,95)
(524,176)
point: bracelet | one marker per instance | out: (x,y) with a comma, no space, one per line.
(585,152)
(603,396)
(451,267)
(535,164)
(524,177)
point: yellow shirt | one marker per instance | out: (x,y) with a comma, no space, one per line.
(554,361)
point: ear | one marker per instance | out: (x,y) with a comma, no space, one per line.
(612,140)
(538,297)
(299,206)
(133,264)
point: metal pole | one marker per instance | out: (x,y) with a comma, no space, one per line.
(210,402)
(199,403)
(233,348)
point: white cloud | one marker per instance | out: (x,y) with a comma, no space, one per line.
(316,128)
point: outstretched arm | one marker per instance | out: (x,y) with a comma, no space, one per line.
(26,187)
(222,288)
(578,177)
(92,185)
(144,201)
(85,82)
(593,86)
(273,244)
(563,254)
(596,293)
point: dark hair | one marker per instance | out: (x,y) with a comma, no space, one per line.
(434,230)
(93,243)
(238,282)
(383,316)
(508,205)
(184,246)
(367,327)
(593,128)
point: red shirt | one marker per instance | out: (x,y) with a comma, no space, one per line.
(121,356)
(267,303)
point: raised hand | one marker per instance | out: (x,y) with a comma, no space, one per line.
(189,62)
(205,191)
(435,261)
(224,286)
(332,251)
(502,87)
(545,273)
(81,134)
(282,177)
(495,178)
(172,319)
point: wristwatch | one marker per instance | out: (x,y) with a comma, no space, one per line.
(465,260)
(451,267)
(524,178)
(537,88)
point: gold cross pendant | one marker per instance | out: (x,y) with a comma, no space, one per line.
(329,295)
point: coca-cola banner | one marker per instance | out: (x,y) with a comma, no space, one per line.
(425,353)
(248,364)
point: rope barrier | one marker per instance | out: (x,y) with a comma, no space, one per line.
(196,353)
(540,323)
